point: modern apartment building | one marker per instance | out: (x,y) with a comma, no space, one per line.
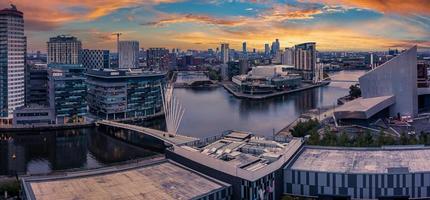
(128,54)
(64,49)
(123,93)
(305,57)
(158,59)
(12,62)
(95,59)
(225,53)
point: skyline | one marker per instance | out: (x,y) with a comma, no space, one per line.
(357,25)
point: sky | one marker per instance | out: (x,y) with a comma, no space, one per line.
(335,25)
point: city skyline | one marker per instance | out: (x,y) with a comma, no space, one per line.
(334,25)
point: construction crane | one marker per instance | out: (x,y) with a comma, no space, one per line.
(117,40)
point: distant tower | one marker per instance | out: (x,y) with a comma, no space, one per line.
(225,53)
(244,47)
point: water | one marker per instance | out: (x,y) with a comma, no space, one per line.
(210,111)
(87,148)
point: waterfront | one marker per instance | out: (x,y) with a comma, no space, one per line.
(210,111)
(42,153)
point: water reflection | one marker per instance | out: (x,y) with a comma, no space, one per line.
(211,111)
(36,153)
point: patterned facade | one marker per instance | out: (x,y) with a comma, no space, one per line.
(64,49)
(95,59)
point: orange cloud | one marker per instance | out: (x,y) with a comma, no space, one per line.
(176,18)
(404,7)
(47,14)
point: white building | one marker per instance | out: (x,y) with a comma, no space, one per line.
(128,54)
(12,62)
(225,51)
(64,49)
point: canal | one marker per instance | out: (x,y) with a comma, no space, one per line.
(208,112)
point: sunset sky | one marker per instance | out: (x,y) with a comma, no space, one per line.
(201,24)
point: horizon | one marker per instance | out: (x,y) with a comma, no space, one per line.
(354,26)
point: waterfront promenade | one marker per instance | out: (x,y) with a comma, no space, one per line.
(230,87)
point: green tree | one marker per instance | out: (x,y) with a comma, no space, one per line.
(343,139)
(354,91)
(314,138)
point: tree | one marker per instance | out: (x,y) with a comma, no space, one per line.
(354,91)
(343,139)
(314,138)
(302,129)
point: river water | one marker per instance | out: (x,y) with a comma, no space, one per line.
(208,112)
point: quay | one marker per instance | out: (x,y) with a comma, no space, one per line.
(229,87)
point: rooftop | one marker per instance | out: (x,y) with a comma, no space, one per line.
(159,180)
(364,108)
(363,160)
(122,73)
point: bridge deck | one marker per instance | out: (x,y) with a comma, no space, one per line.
(175,140)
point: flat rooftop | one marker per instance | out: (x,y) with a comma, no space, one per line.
(163,179)
(363,108)
(363,160)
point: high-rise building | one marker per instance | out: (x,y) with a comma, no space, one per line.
(36,77)
(158,58)
(288,57)
(67,92)
(120,94)
(225,51)
(64,49)
(244,47)
(266,49)
(128,54)
(12,62)
(95,59)
(305,57)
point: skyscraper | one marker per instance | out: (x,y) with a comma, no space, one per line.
(225,53)
(305,57)
(95,59)
(64,49)
(12,62)
(266,49)
(288,57)
(128,54)
(244,47)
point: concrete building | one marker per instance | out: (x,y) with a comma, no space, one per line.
(34,114)
(158,59)
(305,57)
(67,92)
(266,49)
(244,50)
(288,57)
(389,90)
(359,173)
(123,93)
(12,62)
(64,49)
(225,53)
(251,164)
(159,179)
(128,54)
(95,59)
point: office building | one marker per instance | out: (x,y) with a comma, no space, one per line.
(95,59)
(359,173)
(225,53)
(128,54)
(64,49)
(266,49)
(244,50)
(305,57)
(158,59)
(36,77)
(288,57)
(124,93)
(67,92)
(276,46)
(12,62)
(33,114)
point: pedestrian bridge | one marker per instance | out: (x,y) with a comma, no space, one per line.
(172,139)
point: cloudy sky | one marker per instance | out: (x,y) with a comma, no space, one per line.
(201,24)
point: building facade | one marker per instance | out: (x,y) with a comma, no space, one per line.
(12,62)
(305,57)
(359,173)
(158,59)
(122,94)
(33,115)
(36,85)
(95,59)
(128,54)
(67,92)
(225,53)
(64,49)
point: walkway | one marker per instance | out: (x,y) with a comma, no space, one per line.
(161,135)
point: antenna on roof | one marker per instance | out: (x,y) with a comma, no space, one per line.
(13,6)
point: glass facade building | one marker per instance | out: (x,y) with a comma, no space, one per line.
(122,94)
(67,92)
